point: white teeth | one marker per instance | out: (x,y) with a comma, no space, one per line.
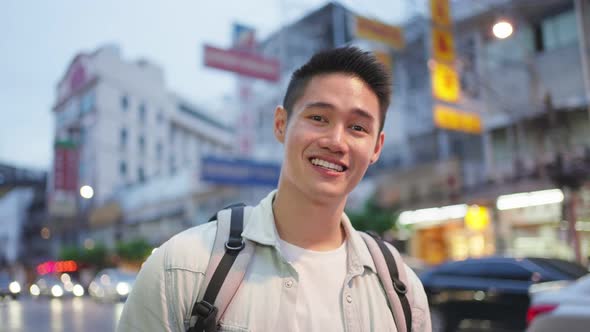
(327,164)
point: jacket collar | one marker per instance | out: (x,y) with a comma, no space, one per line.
(260,227)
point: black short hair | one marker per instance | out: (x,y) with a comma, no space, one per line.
(350,60)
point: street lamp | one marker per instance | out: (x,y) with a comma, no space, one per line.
(502,29)
(86,192)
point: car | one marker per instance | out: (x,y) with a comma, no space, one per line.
(54,287)
(490,290)
(9,287)
(112,285)
(566,306)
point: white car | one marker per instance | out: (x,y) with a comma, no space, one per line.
(112,285)
(560,308)
(52,286)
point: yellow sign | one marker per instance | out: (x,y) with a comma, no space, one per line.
(443,47)
(374,30)
(446,117)
(477,218)
(440,12)
(445,82)
(385,59)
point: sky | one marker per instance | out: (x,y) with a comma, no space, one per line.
(38,39)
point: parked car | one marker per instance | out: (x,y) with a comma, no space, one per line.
(493,290)
(56,287)
(560,307)
(112,285)
(9,286)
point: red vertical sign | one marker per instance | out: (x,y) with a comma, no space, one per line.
(65,169)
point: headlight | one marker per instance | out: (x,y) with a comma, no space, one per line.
(122,288)
(78,290)
(57,291)
(35,291)
(14,287)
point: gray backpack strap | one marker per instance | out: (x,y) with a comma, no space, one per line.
(227,266)
(392,274)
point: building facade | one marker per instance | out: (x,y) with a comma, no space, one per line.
(118,130)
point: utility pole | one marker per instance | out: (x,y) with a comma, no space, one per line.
(583,19)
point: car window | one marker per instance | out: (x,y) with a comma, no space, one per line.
(570,269)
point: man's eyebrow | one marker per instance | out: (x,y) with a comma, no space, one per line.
(320,104)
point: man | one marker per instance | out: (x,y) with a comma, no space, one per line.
(310,270)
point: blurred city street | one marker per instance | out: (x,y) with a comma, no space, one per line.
(115,137)
(58,315)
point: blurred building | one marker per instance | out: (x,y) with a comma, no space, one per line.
(120,131)
(528,91)
(24,237)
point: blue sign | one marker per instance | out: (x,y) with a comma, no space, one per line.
(240,172)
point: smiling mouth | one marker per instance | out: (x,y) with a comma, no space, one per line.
(327,165)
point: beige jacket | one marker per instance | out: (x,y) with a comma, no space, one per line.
(169,283)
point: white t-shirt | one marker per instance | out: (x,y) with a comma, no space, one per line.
(321,277)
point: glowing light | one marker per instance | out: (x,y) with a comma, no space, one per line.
(78,290)
(86,191)
(535,198)
(502,29)
(45,233)
(477,217)
(123,288)
(433,214)
(14,287)
(57,291)
(34,290)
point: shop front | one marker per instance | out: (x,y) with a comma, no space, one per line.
(452,232)
(537,223)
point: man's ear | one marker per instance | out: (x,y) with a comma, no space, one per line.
(280,123)
(378,147)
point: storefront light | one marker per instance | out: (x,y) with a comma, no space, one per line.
(436,214)
(535,198)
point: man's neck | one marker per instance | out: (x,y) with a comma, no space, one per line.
(309,224)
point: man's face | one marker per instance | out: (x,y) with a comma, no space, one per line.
(331,136)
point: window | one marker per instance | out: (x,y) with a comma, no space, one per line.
(123,168)
(124,103)
(87,102)
(557,31)
(159,151)
(140,175)
(172,134)
(142,113)
(172,165)
(123,138)
(141,144)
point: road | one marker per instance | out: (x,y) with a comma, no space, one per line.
(63,315)
(79,314)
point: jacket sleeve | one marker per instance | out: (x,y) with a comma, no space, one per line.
(149,306)
(420,310)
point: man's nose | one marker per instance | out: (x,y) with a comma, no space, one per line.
(335,139)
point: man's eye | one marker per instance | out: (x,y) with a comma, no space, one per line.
(316,118)
(358,128)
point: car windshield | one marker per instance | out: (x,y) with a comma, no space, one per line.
(125,276)
(569,268)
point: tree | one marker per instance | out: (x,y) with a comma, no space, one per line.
(374,217)
(134,251)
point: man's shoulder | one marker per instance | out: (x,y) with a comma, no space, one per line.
(190,249)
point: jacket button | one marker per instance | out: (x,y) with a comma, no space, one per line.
(289,283)
(348,298)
